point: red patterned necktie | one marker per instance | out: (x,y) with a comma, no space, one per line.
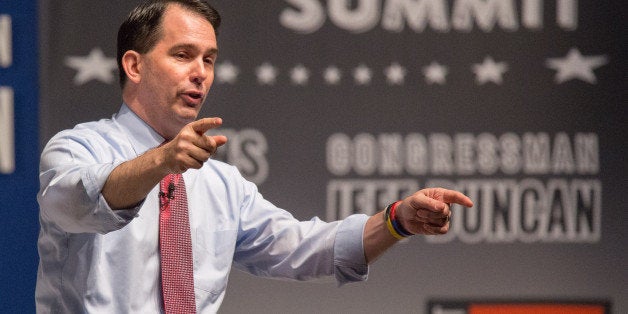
(175,246)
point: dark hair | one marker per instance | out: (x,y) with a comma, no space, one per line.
(142,28)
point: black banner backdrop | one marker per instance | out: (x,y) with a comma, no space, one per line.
(338,107)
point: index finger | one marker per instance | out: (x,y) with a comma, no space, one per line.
(203,125)
(451,196)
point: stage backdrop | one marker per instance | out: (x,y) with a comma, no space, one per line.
(338,107)
(19,150)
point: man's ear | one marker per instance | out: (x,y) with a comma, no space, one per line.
(132,64)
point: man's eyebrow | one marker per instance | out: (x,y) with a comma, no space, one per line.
(211,51)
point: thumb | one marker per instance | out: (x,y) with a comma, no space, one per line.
(220,140)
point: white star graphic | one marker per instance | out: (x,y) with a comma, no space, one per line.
(332,75)
(395,74)
(95,66)
(266,74)
(362,75)
(226,72)
(300,75)
(435,73)
(489,71)
(576,66)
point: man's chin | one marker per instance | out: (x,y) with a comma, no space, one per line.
(188,115)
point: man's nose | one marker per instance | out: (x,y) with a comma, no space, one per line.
(199,71)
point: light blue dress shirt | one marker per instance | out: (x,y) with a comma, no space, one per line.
(96,260)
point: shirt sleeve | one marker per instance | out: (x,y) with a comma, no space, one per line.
(72,175)
(349,259)
(272,243)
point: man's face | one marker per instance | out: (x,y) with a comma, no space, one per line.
(178,72)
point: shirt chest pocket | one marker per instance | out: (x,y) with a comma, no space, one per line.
(213,255)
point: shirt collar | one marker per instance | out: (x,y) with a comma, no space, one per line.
(141,135)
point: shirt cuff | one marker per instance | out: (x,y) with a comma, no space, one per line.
(105,218)
(349,260)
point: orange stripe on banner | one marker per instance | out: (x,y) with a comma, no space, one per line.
(536,309)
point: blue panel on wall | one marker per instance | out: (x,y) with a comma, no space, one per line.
(19,151)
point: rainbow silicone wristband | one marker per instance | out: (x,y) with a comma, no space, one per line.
(392,230)
(396,223)
(390,223)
